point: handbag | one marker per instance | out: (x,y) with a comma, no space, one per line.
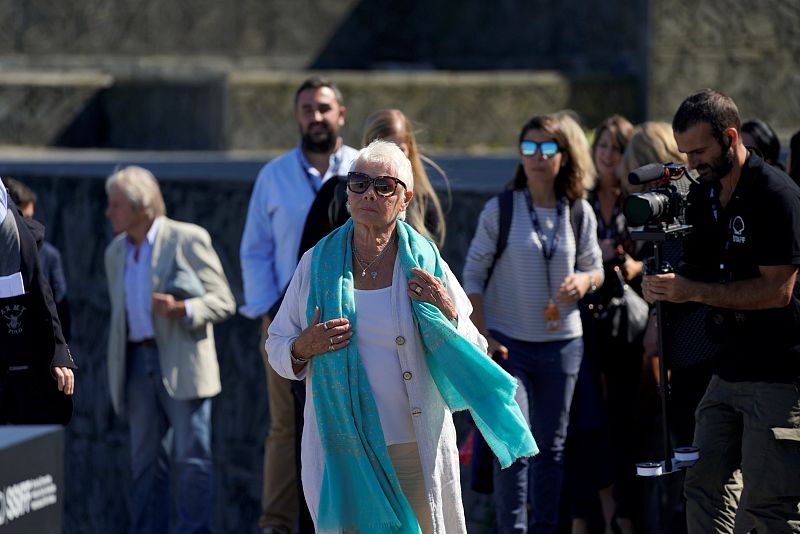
(625,315)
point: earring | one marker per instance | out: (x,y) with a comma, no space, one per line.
(347,206)
(401,216)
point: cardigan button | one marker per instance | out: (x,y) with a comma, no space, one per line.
(416,412)
(407,375)
(400,340)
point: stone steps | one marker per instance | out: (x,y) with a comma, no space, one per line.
(166,105)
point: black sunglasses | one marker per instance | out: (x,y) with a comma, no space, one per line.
(385,186)
(548,149)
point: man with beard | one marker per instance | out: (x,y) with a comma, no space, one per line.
(284,191)
(742,260)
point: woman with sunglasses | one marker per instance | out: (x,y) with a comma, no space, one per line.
(379,326)
(525,304)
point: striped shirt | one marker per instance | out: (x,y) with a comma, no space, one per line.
(515,298)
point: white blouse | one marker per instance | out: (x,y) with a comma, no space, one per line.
(377,351)
(431,419)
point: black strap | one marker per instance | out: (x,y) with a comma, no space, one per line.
(576,218)
(506,213)
(506,202)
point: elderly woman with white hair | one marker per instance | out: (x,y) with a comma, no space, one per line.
(379,325)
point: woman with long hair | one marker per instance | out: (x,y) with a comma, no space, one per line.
(526,304)
(425,214)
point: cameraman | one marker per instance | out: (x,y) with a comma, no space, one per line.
(742,258)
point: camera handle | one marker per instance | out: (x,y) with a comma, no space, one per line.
(663,382)
(683,456)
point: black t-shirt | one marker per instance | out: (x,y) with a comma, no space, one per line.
(760,225)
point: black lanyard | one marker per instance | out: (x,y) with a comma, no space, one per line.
(547,251)
(606,231)
(313,182)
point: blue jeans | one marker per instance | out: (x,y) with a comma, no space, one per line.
(546,373)
(152,412)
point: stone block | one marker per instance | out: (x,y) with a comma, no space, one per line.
(35,107)
(453,111)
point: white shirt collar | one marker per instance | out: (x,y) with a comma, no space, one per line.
(150,236)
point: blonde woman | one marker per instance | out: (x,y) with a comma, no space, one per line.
(425,214)
(651,142)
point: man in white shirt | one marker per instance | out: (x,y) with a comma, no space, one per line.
(167,289)
(284,191)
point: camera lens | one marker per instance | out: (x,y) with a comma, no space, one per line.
(643,208)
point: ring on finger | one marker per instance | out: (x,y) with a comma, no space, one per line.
(418,290)
(331,349)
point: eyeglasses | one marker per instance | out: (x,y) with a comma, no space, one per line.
(385,186)
(548,149)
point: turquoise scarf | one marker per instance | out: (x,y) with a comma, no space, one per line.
(360,489)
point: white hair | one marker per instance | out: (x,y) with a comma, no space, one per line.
(389,155)
(141,189)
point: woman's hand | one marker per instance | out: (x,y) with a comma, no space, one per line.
(631,268)
(573,288)
(496,349)
(424,287)
(319,338)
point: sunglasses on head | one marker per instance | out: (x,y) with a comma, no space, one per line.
(385,186)
(548,149)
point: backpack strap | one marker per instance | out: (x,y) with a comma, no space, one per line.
(576,218)
(506,203)
(505,214)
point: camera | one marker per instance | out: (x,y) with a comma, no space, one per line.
(663,205)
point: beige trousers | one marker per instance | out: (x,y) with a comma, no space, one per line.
(405,459)
(279,492)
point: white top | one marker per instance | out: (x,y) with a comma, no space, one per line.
(377,351)
(430,417)
(515,298)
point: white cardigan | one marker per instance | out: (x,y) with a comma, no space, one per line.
(433,422)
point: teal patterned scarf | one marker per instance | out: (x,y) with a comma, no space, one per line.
(360,489)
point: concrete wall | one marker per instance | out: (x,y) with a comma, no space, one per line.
(338,34)
(266,31)
(749,50)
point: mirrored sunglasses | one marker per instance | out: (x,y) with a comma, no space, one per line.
(548,148)
(385,186)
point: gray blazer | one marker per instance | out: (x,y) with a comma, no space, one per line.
(182,256)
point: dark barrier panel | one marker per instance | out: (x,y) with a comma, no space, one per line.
(31,479)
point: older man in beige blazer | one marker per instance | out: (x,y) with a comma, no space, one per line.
(167,288)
